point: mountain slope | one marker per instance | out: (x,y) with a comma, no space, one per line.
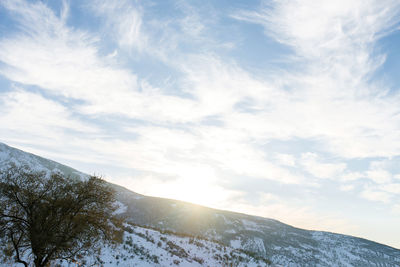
(151,247)
(10,155)
(282,244)
(272,239)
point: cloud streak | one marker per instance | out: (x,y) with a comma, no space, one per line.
(333,97)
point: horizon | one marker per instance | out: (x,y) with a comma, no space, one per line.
(280,109)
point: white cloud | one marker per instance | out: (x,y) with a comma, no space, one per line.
(379,176)
(333,98)
(323,28)
(66,62)
(286,159)
(123,21)
(312,164)
(378,172)
(30,112)
(347,188)
(351,176)
(45,127)
(320,104)
(391,188)
(396,209)
(170,151)
(69,65)
(57,58)
(375,195)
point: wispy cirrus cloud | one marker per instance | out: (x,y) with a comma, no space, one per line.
(313,165)
(123,22)
(69,64)
(375,195)
(333,97)
(49,117)
(66,62)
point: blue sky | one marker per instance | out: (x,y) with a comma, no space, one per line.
(283,109)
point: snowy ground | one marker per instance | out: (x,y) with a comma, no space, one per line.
(144,247)
(149,247)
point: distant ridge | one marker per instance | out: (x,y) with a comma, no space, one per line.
(263,238)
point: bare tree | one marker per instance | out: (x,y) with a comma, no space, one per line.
(48,217)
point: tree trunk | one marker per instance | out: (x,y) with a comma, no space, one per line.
(23,262)
(38,262)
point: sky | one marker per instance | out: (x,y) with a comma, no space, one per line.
(284,109)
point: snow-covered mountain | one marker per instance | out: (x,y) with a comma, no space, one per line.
(147,247)
(164,232)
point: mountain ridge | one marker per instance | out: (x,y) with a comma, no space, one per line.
(268,238)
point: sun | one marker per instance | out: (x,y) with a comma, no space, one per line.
(197,184)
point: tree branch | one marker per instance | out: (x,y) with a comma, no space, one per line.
(16,248)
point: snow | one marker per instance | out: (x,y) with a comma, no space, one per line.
(259,245)
(236,243)
(122,208)
(149,247)
(250,225)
